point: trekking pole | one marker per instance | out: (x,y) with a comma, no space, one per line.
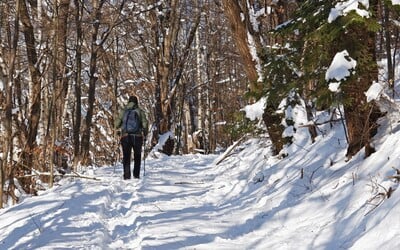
(144,158)
(114,147)
(119,156)
(117,143)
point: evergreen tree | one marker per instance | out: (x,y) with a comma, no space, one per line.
(311,40)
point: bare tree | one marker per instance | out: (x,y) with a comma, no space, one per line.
(60,81)
(7,71)
(35,95)
(77,82)
(166,28)
(99,38)
(389,38)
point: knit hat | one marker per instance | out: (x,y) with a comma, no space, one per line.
(133,99)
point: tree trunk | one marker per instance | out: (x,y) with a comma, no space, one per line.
(240,30)
(164,28)
(94,53)
(273,121)
(169,69)
(201,89)
(6,162)
(388,44)
(60,83)
(78,91)
(35,95)
(361,117)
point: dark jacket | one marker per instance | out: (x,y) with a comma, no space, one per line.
(142,117)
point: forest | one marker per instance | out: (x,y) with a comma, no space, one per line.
(68,66)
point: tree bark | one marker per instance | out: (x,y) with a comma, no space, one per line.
(361,117)
(94,53)
(35,95)
(78,79)
(7,74)
(169,32)
(239,29)
(388,44)
(273,121)
(60,82)
(169,70)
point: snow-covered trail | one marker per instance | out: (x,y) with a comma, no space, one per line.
(178,204)
(251,200)
(166,206)
(183,202)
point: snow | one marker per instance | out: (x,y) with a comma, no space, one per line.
(296,113)
(256,110)
(254,15)
(163,139)
(248,199)
(374,91)
(341,67)
(343,8)
(254,55)
(334,87)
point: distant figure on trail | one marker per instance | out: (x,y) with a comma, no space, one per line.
(134,126)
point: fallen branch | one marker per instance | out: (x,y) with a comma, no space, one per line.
(396,178)
(74,174)
(320,123)
(228,151)
(380,197)
(188,182)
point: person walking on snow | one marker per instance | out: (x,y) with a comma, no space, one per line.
(134,126)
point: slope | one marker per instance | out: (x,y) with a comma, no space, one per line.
(314,198)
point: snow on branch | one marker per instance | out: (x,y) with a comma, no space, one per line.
(256,110)
(394,2)
(341,67)
(343,8)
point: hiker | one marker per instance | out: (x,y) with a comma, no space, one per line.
(134,125)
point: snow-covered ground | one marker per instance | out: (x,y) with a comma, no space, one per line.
(313,199)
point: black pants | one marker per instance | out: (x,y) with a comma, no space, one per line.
(128,143)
